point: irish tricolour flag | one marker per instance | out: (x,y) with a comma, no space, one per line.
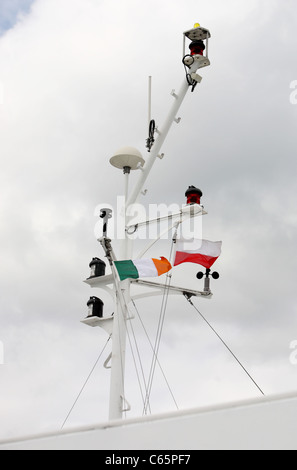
(138,268)
(197,251)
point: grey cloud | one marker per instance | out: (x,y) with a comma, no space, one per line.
(75,81)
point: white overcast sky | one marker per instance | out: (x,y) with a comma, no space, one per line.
(74,77)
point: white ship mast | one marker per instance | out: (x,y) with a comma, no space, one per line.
(129,159)
(265,423)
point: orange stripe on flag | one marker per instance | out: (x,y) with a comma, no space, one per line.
(162,265)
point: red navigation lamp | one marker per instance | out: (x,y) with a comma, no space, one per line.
(197,47)
(193,195)
(199,39)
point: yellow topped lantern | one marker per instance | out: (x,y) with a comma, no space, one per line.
(199,37)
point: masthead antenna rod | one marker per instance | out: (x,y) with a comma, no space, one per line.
(149,100)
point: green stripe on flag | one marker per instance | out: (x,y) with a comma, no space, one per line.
(126,270)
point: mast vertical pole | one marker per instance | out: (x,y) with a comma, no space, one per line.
(119,335)
(126,185)
(117,386)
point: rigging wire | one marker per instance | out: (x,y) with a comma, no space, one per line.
(159,334)
(121,312)
(124,307)
(84,385)
(135,365)
(140,362)
(157,359)
(157,344)
(157,347)
(225,344)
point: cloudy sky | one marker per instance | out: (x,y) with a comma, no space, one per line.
(74,77)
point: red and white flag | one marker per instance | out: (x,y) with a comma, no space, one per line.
(201,252)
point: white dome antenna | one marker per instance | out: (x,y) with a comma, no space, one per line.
(127,158)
